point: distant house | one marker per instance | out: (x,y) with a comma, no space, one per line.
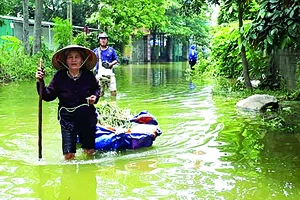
(13,26)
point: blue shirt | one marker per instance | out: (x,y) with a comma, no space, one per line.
(193,55)
(108,55)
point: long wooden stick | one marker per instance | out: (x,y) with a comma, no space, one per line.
(40,113)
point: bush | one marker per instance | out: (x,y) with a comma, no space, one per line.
(15,65)
(227,56)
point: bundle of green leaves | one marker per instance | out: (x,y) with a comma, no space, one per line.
(112,115)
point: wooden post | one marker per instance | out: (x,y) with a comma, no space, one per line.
(40,113)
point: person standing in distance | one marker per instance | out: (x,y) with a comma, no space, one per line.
(192,56)
(107,59)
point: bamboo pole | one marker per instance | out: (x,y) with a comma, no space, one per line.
(40,113)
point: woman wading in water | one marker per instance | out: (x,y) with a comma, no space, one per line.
(77,90)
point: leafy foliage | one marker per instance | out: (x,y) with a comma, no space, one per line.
(63,32)
(277,25)
(120,19)
(192,7)
(87,40)
(3,10)
(15,65)
(194,26)
(226,54)
(229,11)
(111,115)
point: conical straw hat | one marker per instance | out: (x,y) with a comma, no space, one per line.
(88,56)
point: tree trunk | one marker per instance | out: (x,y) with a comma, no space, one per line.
(37,32)
(168,48)
(243,50)
(26,27)
(185,49)
(153,53)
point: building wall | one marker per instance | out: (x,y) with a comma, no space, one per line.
(47,34)
(286,61)
(6,30)
(138,50)
(14,28)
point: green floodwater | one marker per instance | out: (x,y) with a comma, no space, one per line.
(207,149)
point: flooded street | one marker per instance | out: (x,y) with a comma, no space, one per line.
(206,150)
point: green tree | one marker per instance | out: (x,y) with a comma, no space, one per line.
(63,32)
(121,19)
(197,5)
(188,25)
(185,27)
(2,11)
(229,11)
(277,25)
(241,6)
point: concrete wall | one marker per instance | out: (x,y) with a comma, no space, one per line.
(138,50)
(47,34)
(286,61)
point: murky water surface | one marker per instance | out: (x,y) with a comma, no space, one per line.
(206,151)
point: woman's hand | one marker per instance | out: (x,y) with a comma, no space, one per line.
(91,99)
(39,75)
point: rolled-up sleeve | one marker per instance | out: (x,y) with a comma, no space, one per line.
(49,93)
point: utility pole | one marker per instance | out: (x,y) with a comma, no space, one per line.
(69,14)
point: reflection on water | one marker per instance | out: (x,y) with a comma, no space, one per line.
(206,151)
